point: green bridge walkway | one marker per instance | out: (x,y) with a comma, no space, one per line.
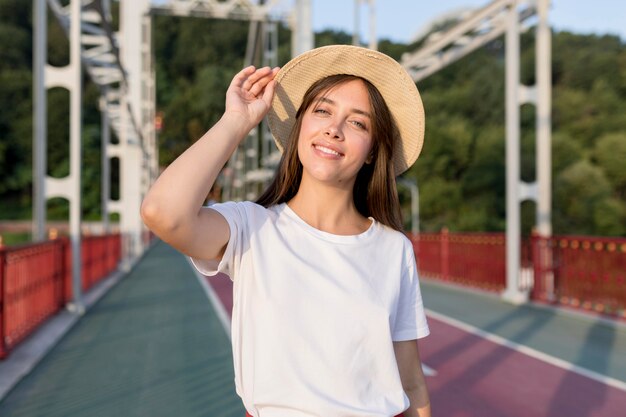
(153,346)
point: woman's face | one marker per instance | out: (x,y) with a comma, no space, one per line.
(335,136)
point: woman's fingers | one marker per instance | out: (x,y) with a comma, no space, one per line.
(258,87)
(256,81)
(252,81)
(240,78)
(251,92)
(268,92)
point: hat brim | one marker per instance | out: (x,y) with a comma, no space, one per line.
(387,75)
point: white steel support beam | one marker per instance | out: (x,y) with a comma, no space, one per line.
(415,202)
(105,141)
(356,35)
(373,40)
(221,9)
(40,118)
(512,292)
(483,26)
(99,51)
(544,120)
(302,38)
(88,26)
(148,105)
(69,187)
(74,193)
(544,137)
(132,159)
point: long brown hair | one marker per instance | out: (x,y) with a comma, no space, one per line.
(374,192)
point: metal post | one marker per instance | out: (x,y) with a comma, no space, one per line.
(544,146)
(106,167)
(373,43)
(40,121)
(513,234)
(148,113)
(69,77)
(131,153)
(415,203)
(302,30)
(544,120)
(356,34)
(75,153)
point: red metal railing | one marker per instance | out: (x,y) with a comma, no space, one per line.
(35,281)
(581,271)
(100,256)
(474,259)
(578,271)
(32,278)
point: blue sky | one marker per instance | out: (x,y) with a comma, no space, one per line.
(399,20)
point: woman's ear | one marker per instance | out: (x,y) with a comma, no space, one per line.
(369,158)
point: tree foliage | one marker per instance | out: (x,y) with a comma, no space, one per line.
(464,146)
(461,172)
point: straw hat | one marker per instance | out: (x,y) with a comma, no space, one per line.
(387,75)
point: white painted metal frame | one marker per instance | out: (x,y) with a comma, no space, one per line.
(100,55)
(356,35)
(69,187)
(486,24)
(301,24)
(243,172)
(228,9)
(133,146)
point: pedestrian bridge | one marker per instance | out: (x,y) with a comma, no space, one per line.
(154,342)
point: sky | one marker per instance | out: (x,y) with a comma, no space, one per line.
(400,20)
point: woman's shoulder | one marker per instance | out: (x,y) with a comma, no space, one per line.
(398,237)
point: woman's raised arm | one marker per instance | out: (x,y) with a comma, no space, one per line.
(172,209)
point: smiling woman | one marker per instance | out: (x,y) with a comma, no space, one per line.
(327,306)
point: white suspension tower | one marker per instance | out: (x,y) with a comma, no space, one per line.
(484,25)
(94,47)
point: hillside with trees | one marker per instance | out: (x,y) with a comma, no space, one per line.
(461,172)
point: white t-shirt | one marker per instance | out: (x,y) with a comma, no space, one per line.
(315,314)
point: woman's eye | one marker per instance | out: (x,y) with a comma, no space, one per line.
(359,125)
(320,111)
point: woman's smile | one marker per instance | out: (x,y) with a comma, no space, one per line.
(327,151)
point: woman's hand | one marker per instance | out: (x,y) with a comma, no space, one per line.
(250,94)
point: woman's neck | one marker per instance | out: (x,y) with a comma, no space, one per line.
(328,208)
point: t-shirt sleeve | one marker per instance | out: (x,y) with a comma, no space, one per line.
(235,216)
(410,321)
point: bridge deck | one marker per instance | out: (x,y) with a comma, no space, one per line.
(154,346)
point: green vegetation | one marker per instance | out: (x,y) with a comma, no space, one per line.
(460,172)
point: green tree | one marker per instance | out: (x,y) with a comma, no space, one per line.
(610,154)
(581,191)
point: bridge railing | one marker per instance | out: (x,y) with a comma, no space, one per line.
(473,259)
(36,281)
(578,271)
(582,272)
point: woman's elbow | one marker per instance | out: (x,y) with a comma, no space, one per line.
(154,217)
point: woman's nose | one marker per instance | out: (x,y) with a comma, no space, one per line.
(334,131)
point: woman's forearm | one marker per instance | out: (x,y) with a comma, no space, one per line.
(179,192)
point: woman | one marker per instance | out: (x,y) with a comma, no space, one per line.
(327,307)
